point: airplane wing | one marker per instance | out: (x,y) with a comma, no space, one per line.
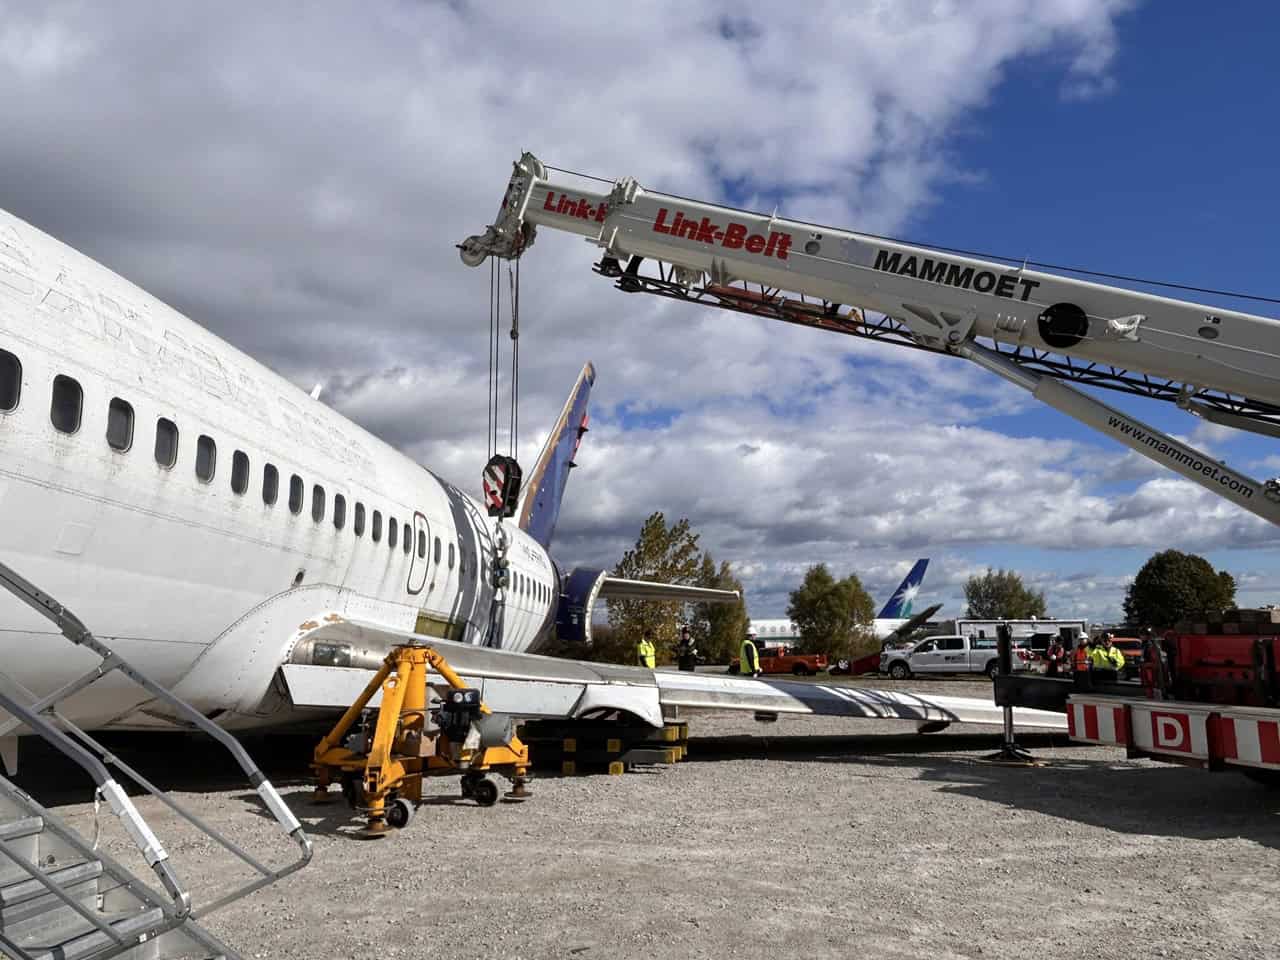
(331,663)
(919,620)
(616,588)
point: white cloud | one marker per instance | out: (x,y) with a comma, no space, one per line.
(296,180)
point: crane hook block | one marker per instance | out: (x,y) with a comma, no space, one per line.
(501,485)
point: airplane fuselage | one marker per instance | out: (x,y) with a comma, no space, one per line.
(195,508)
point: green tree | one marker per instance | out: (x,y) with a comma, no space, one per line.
(1173,586)
(832,616)
(718,628)
(1001,595)
(664,554)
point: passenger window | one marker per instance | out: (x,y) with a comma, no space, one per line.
(119,425)
(270,484)
(10,380)
(339,511)
(68,399)
(206,458)
(407,541)
(437,550)
(239,472)
(393,530)
(422,545)
(451,556)
(295,494)
(377,526)
(166,443)
(317,503)
(359,524)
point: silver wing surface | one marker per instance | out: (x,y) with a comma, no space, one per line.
(331,663)
(616,588)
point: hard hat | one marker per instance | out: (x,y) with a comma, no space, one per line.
(751,632)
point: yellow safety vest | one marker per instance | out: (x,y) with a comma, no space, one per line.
(749,660)
(645,654)
(1104,659)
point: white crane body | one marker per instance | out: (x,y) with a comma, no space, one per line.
(1219,364)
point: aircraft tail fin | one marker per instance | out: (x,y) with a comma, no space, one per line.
(899,605)
(539,506)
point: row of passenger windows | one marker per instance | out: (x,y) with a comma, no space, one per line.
(65,413)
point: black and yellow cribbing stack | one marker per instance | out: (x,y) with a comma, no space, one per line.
(602,746)
(381,772)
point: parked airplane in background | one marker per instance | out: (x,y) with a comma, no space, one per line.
(255,551)
(895,619)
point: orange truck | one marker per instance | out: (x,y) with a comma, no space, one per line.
(783,660)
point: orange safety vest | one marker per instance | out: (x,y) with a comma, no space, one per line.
(1082,658)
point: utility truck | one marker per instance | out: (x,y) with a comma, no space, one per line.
(953,653)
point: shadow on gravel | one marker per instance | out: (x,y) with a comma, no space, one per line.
(172,761)
(1125,797)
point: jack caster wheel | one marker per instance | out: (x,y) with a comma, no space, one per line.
(468,784)
(399,812)
(485,792)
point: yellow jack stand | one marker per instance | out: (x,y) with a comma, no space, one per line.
(385,781)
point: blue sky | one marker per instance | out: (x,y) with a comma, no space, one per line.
(296,182)
(1171,173)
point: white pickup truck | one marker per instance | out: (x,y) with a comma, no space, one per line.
(947,654)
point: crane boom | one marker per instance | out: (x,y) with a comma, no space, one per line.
(1042,328)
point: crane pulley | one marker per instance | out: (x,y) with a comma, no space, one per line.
(1036,329)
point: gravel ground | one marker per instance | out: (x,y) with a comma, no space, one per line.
(808,837)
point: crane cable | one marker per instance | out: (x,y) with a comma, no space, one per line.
(513,277)
(495,358)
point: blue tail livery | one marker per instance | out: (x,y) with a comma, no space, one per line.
(899,605)
(544,487)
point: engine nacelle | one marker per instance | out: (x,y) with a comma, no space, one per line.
(578,594)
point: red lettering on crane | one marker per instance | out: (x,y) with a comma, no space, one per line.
(734,236)
(579,208)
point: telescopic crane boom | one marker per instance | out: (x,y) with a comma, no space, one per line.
(1032,328)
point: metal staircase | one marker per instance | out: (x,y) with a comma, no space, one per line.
(63,898)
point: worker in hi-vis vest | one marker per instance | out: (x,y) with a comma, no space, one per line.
(749,661)
(1106,657)
(1080,663)
(646,655)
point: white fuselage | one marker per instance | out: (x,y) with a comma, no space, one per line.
(186,570)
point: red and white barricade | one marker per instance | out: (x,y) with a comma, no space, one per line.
(1097,720)
(1250,737)
(1199,734)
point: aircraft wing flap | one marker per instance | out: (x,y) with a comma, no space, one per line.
(691,691)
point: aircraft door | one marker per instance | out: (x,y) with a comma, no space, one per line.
(420,554)
(925,658)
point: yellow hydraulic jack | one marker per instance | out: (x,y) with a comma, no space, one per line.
(384,777)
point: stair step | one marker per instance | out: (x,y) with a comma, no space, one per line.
(45,916)
(24,836)
(30,905)
(87,944)
(25,827)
